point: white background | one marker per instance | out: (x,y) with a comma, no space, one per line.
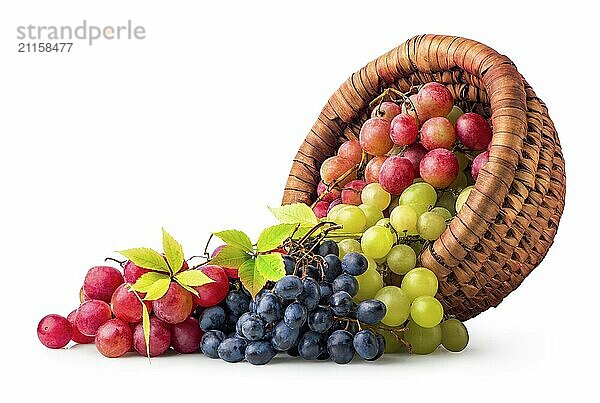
(194,129)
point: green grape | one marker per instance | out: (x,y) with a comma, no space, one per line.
(394,203)
(423,340)
(372,263)
(348,245)
(448,201)
(393,343)
(463,160)
(455,336)
(372,214)
(443,212)
(404,220)
(426,311)
(431,225)
(383,222)
(376,242)
(421,196)
(401,259)
(419,281)
(374,195)
(397,304)
(332,214)
(454,114)
(462,198)
(459,183)
(368,284)
(352,219)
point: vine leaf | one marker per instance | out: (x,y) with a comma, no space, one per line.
(274,236)
(173,252)
(231,256)
(146,280)
(193,278)
(146,258)
(297,213)
(236,238)
(158,289)
(146,328)
(251,277)
(271,266)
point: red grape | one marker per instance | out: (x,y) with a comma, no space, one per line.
(351,150)
(437,132)
(473,131)
(375,136)
(351,192)
(212,294)
(412,108)
(54,331)
(439,168)
(101,281)
(404,129)
(415,153)
(320,208)
(133,272)
(372,169)
(478,163)
(333,168)
(334,203)
(175,306)
(387,110)
(114,338)
(331,195)
(91,315)
(434,100)
(397,173)
(160,338)
(185,336)
(77,336)
(126,306)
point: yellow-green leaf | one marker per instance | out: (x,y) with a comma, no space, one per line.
(146,281)
(270,266)
(298,213)
(187,287)
(173,251)
(158,289)
(231,256)
(235,238)
(146,258)
(146,328)
(193,278)
(251,278)
(274,236)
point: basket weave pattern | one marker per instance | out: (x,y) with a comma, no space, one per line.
(509,221)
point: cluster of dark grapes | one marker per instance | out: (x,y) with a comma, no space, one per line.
(308,313)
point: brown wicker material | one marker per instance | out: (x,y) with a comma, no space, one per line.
(511,217)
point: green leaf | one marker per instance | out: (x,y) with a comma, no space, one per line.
(251,278)
(298,213)
(146,327)
(274,236)
(193,278)
(158,289)
(187,287)
(146,258)
(270,266)
(173,252)
(236,238)
(231,256)
(146,280)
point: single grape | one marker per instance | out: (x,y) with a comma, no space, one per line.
(320,320)
(384,222)
(114,338)
(478,163)
(401,259)
(160,338)
(345,282)
(426,311)
(404,129)
(269,307)
(311,345)
(454,114)
(283,337)
(341,303)
(333,211)
(211,294)
(462,198)
(330,195)
(326,291)
(381,346)
(54,331)
(376,242)
(311,294)
(371,311)
(132,273)
(232,349)
(375,136)
(369,283)
(393,343)
(415,153)
(101,282)
(185,336)
(439,168)
(210,341)
(423,340)
(455,336)
(91,315)
(328,247)
(420,196)
(289,287)
(126,305)
(334,167)
(259,352)
(290,264)
(77,336)
(374,195)
(404,220)
(419,281)
(351,150)
(295,315)
(366,345)
(431,225)
(340,346)
(352,191)
(438,132)
(240,321)
(397,305)
(355,263)
(212,318)
(473,131)
(386,110)
(237,302)
(253,328)
(373,168)
(396,174)
(352,219)
(175,306)
(434,99)
(372,214)
(349,245)
(333,267)
(443,212)
(321,208)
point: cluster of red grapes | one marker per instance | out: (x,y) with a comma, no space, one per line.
(422,137)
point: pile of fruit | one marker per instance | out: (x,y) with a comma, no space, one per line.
(320,284)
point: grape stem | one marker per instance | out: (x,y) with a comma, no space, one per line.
(120,262)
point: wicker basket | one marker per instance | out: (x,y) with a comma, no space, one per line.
(512,215)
